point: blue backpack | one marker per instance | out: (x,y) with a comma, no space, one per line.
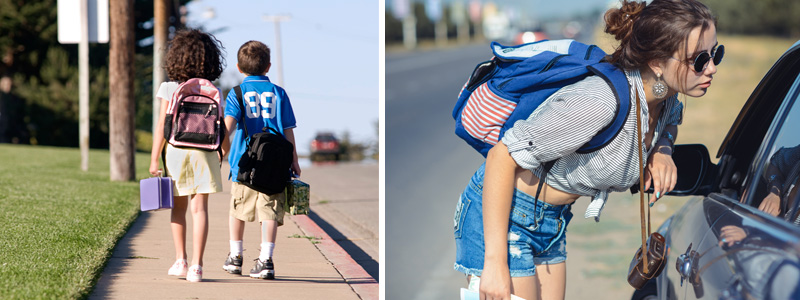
(511,85)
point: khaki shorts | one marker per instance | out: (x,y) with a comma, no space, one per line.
(194,171)
(245,202)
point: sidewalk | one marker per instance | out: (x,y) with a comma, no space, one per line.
(138,266)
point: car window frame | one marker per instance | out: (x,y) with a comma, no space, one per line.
(741,146)
(768,146)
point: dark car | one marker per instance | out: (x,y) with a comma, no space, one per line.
(325,146)
(721,246)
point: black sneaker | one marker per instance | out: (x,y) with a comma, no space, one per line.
(233,264)
(263,269)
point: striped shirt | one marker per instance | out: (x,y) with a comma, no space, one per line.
(571,117)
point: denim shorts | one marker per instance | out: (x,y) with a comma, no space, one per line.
(536,233)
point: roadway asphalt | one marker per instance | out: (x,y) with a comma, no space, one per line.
(344,203)
(427,167)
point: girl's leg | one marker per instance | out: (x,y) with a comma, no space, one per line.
(200,227)
(178,225)
(552,280)
(527,287)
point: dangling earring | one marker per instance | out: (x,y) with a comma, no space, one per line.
(659,88)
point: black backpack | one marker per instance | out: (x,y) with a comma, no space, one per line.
(265,165)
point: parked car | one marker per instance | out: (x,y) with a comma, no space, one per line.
(325,146)
(721,246)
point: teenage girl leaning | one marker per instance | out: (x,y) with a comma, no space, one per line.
(516,243)
(195,173)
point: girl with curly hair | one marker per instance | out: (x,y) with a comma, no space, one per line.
(196,173)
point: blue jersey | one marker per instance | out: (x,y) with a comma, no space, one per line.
(266,105)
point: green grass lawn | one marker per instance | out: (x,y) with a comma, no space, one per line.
(58,224)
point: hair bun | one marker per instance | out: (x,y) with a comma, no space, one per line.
(619,21)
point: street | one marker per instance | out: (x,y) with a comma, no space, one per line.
(344,203)
(427,167)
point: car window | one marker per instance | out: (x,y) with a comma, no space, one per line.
(325,138)
(776,179)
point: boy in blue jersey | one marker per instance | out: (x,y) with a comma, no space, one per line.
(266,105)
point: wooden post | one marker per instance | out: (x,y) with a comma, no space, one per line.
(121,104)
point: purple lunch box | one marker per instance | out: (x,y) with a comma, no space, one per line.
(155,193)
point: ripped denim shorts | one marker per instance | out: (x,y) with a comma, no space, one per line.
(536,234)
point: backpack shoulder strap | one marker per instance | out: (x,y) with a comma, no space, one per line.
(618,82)
(279,123)
(238,90)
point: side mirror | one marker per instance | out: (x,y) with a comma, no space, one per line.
(694,170)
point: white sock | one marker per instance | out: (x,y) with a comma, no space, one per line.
(236,248)
(266,251)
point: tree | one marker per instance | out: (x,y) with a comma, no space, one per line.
(764,17)
(39,76)
(121,106)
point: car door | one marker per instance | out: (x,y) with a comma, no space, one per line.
(722,246)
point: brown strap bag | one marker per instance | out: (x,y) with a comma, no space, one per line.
(650,258)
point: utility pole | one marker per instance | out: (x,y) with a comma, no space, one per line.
(277,19)
(161,19)
(121,105)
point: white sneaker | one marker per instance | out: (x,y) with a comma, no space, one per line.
(178,268)
(195,274)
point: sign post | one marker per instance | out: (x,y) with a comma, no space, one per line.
(81,22)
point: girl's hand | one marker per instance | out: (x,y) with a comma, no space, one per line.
(731,234)
(661,172)
(154,170)
(771,204)
(495,282)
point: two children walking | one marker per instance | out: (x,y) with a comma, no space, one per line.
(196,173)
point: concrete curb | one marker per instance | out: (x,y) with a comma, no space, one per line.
(359,280)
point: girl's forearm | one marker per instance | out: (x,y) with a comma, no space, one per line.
(498,188)
(158,134)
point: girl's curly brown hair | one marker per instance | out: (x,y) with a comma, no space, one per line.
(194,54)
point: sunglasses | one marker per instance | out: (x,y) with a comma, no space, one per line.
(700,62)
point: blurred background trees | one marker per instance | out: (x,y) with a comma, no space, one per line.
(780,18)
(764,17)
(39,76)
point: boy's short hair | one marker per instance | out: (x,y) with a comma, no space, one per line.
(253,58)
(194,54)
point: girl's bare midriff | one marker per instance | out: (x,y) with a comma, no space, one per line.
(526,182)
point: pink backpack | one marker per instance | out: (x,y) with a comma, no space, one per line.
(194,116)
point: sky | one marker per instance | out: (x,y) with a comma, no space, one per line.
(330,54)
